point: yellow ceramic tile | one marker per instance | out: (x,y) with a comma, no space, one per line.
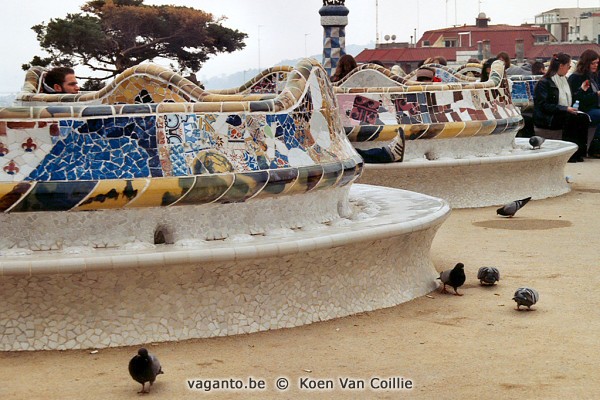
(163,192)
(451,129)
(113,193)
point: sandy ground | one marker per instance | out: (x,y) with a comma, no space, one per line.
(475,346)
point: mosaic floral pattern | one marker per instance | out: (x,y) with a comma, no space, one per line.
(96,153)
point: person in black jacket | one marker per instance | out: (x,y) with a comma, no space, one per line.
(586,88)
(552,100)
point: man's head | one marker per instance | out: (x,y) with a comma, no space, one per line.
(425,74)
(61,80)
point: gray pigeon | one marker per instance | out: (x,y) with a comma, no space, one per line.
(453,277)
(488,275)
(526,297)
(510,209)
(536,142)
(143,368)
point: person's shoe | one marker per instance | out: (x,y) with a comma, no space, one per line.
(580,159)
(396,149)
(572,160)
(594,149)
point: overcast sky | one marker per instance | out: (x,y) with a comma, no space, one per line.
(286,29)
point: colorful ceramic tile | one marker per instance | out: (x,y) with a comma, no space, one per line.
(279,182)
(162,192)
(112,194)
(245,186)
(11,193)
(207,189)
(54,196)
(308,178)
(332,173)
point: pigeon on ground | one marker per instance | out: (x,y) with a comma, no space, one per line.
(453,277)
(144,367)
(526,297)
(536,142)
(488,275)
(510,209)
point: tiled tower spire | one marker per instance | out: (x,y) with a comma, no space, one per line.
(334,18)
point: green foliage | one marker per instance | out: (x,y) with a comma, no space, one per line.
(93,84)
(113,35)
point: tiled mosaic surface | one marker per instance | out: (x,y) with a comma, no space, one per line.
(433,111)
(461,108)
(271,80)
(450,75)
(377,257)
(88,151)
(522,90)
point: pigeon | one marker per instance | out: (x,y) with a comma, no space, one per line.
(144,367)
(453,277)
(510,209)
(536,142)
(488,275)
(526,297)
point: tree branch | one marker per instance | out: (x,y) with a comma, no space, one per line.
(130,50)
(96,68)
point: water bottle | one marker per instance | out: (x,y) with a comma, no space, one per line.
(576,105)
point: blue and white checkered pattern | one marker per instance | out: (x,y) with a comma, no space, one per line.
(334,46)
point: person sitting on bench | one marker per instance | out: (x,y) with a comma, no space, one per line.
(552,108)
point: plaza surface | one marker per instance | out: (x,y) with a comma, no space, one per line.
(474,346)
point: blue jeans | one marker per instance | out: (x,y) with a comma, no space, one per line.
(377,155)
(594,114)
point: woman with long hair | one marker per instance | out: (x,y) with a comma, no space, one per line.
(586,88)
(486,68)
(345,65)
(552,106)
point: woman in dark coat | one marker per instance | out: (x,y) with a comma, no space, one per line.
(553,109)
(585,88)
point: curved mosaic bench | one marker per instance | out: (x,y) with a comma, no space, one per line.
(449,74)
(271,80)
(227,214)
(459,138)
(468,71)
(133,157)
(433,117)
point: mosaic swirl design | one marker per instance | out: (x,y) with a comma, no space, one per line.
(152,138)
(424,111)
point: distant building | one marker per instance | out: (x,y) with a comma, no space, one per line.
(571,24)
(482,40)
